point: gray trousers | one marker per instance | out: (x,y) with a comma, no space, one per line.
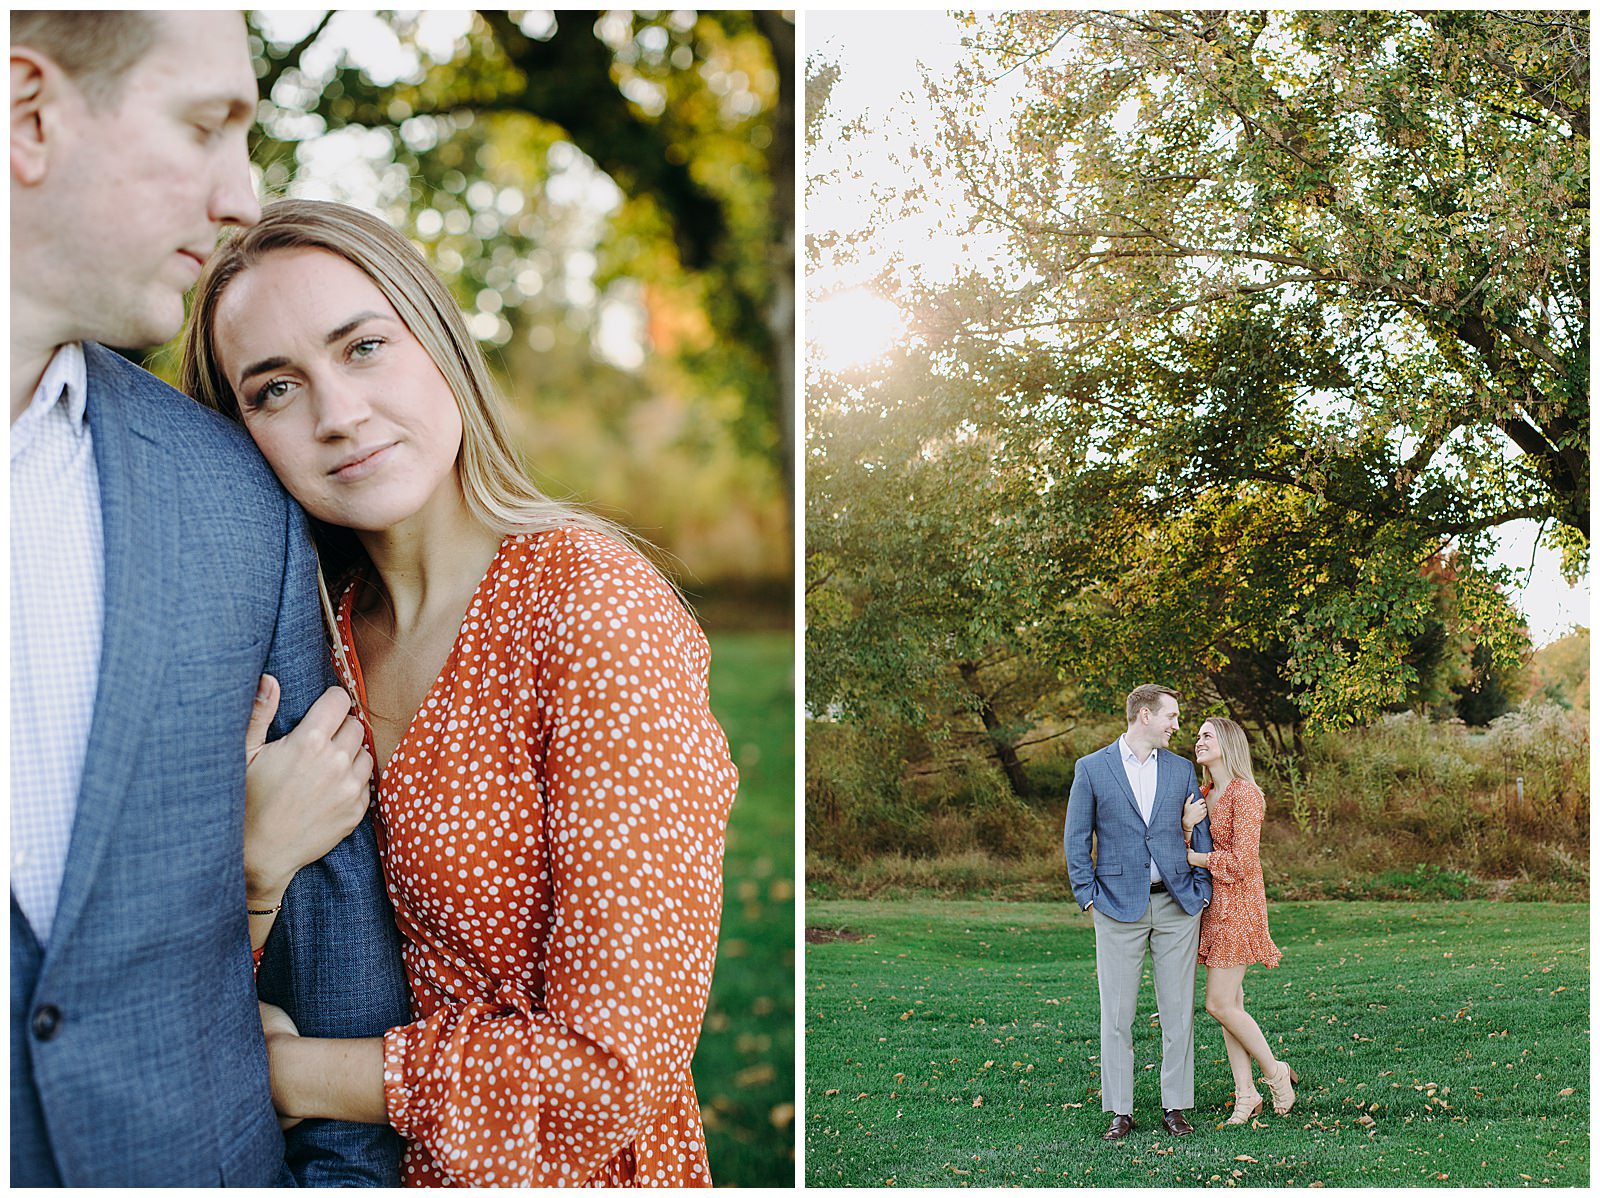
(1172,938)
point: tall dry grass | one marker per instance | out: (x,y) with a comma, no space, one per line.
(1408,806)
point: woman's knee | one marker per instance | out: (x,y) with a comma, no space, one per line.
(1222,1007)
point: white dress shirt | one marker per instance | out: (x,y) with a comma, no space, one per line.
(1142,777)
(57,617)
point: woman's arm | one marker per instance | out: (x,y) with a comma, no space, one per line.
(323,1079)
(637,785)
(1244,844)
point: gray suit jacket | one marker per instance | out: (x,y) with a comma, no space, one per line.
(1101,806)
(137,1056)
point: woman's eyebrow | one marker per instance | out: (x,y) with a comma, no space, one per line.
(351,326)
(348,327)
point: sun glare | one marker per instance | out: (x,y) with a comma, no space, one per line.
(851,329)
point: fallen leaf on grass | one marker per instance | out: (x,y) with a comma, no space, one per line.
(1567,1093)
(1249,1160)
(978,1101)
(829,1093)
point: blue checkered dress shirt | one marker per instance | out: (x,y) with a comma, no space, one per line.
(57,616)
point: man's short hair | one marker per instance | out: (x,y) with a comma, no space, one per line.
(97,49)
(1148,695)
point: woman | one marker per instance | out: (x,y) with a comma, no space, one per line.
(552,790)
(1233,929)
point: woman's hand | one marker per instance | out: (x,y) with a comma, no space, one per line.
(304,792)
(1194,810)
(1199,860)
(278,1027)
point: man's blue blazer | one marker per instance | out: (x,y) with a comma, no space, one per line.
(137,1056)
(1101,805)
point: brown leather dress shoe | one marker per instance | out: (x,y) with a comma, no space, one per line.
(1175,1123)
(1121,1125)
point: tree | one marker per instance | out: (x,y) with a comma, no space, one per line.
(916,584)
(1405,193)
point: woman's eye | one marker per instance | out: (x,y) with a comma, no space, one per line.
(366,347)
(269,392)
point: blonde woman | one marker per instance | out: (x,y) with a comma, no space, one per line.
(552,790)
(1233,929)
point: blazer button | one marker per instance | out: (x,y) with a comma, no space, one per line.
(45,1021)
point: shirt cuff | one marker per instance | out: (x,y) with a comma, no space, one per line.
(396,1092)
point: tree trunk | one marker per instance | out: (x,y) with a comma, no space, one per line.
(1004,751)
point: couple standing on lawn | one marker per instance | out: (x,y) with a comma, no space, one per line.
(1182,880)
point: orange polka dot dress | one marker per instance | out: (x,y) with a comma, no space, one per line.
(1233,928)
(551,830)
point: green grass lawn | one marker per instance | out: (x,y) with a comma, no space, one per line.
(1439,1044)
(744,1067)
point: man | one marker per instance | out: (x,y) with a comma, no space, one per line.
(157,571)
(1128,799)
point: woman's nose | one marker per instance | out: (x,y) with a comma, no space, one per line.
(341,409)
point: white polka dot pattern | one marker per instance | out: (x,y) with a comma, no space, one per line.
(552,833)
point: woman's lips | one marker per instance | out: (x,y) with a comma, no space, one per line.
(360,467)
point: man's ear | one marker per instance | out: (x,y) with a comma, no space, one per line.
(35,81)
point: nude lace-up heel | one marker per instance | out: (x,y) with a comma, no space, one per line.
(1245,1108)
(1282,1085)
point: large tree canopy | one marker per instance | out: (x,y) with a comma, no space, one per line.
(1408,192)
(1291,313)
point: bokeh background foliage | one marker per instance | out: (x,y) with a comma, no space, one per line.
(610,196)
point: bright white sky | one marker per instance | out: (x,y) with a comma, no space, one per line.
(883,56)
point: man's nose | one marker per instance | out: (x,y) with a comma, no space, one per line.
(233,199)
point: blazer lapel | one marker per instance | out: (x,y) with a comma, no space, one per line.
(1120,774)
(139,529)
(1169,779)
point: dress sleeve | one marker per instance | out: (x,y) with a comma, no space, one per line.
(1244,842)
(545,1089)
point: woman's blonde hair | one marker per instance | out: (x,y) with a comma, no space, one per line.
(1234,746)
(498,490)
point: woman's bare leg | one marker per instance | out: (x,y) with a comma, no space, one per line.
(1244,1081)
(1225,1004)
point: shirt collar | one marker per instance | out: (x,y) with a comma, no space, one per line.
(1130,756)
(65,381)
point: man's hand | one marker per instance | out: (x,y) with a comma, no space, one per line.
(304,793)
(1194,810)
